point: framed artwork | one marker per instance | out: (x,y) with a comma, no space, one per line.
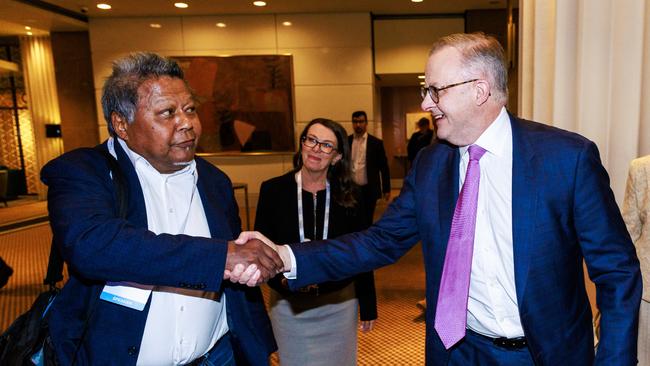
(245,102)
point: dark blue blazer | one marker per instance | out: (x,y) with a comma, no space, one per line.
(563,211)
(98,246)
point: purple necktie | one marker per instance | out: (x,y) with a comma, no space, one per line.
(451,308)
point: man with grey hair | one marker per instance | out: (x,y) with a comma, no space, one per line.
(146,282)
(507,211)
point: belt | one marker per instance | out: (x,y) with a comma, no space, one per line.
(503,342)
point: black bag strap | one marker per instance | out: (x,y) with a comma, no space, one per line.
(55,263)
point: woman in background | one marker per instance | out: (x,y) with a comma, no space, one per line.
(316,325)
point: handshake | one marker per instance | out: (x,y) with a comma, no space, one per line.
(253,258)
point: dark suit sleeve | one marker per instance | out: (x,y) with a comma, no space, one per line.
(412,147)
(383,169)
(382,244)
(611,260)
(364,287)
(264,224)
(264,214)
(99,245)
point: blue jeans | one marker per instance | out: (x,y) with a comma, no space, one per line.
(220,355)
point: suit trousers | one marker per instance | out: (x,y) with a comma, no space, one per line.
(477,350)
(369,202)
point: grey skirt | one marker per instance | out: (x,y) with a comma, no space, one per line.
(316,330)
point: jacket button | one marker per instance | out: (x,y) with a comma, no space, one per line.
(183,284)
(202,286)
(132,350)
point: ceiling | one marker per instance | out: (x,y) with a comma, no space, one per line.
(68,15)
(73,15)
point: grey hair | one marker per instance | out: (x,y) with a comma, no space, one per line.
(481,53)
(120,92)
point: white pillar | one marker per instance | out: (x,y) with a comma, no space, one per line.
(43,103)
(585,67)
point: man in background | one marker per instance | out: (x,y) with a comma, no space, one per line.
(369,164)
(420,138)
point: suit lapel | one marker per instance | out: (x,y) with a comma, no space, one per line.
(217,221)
(448,178)
(524,194)
(137,212)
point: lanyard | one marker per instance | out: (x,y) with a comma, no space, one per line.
(301,224)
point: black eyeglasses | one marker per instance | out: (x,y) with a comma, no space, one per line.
(435,92)
(311,142)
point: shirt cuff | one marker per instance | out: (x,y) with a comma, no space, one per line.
(292,274)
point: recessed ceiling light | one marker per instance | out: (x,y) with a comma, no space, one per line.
(29,33)
(155,25)
(286,24)
(422,83)
(417,1)
(181,5)
(28,27)
(103,6)
(259,3)
(221,25)
(420,76)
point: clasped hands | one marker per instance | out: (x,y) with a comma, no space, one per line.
(253,258)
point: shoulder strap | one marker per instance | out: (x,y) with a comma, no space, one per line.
(55,263)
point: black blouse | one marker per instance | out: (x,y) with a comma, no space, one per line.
(277,218)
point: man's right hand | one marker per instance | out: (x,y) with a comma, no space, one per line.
(254,256)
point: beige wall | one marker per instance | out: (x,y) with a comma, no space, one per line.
(402,45)
(332,60)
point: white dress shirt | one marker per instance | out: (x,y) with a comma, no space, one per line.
(359,174)
(492,305)
(180,327)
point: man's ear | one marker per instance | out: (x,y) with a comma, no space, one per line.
(120,125)
(482,91)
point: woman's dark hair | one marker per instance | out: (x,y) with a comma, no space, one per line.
(343,187)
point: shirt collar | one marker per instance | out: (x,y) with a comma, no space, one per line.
(493,137)
(363,137)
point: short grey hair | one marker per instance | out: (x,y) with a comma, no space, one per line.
(120,92)
(481,53)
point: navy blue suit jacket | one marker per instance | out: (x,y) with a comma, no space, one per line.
(563,211)
(98,246)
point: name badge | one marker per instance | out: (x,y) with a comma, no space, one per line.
(129,294)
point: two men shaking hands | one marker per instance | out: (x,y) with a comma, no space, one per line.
(253,259)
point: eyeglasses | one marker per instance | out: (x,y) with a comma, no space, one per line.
(435,92)
(311,142)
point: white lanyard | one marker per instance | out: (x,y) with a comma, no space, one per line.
(301,223)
